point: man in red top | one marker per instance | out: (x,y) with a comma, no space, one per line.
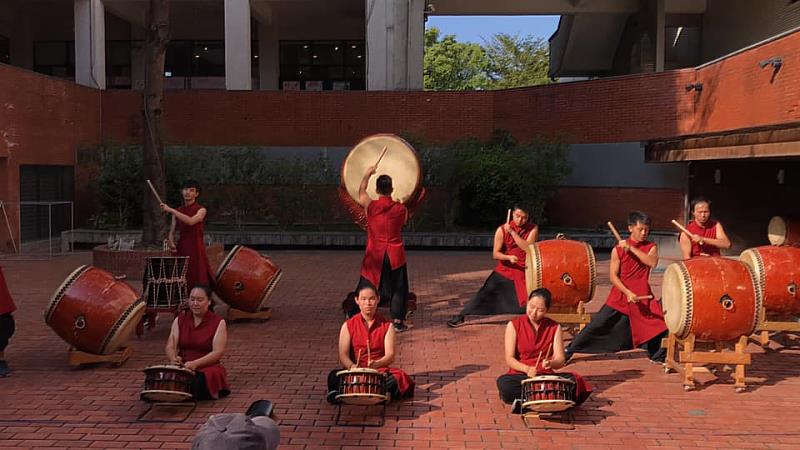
(7,324)
(384,264)
(631,317)
(189,219)
(708,236)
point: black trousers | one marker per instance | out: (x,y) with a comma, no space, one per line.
(610,332)
(391,383)
(393,289)
(497,296)
(7,328)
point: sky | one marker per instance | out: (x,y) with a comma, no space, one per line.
(477,28)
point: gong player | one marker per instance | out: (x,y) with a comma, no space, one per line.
(367,340)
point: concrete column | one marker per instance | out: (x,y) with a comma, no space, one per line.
(268,63)
(395,34)
(90,43)
(237,46)
(661,22)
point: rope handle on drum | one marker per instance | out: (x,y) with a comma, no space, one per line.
(80,322)
(727,302)
(566,278)
(792,289)
(238,286)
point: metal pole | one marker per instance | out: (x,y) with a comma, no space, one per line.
(50,229)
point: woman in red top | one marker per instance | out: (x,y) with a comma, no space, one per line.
(189,220)
(504,292)
(7,324)
(629,319)
(707,237)
(534,346)
(197,342)
(368,340)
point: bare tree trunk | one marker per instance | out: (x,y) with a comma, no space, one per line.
(154,222)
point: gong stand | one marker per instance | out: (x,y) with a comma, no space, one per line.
(775,325)
(688,357)
(78,358)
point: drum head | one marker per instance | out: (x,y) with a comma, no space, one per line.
(159,395)
(776,231)
(541,378)
(548,405)
(400,162)
(124,327)
(361,399)
(168,367)
(357,370)
(676,299)
(533,264)
(59,293)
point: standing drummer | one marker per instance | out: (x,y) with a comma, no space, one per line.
(189,219)
(384,263)
(707,237)
(631,316)
(367,340)
(7,326)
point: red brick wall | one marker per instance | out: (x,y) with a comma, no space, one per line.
(43,120)
(588,207)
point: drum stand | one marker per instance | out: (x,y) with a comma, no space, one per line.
(777,325)
(78,358)
(238,314)
(579,318)
(363,424)
(689,356)
(188,406)
(548,420)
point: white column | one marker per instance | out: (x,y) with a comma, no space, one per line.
(395,33)
(268,63)
(237,46)
(661,22)
(90,43)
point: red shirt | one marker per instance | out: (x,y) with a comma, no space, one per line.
(707,231)
(191,244)
(532,344)
(515,272)
(7,305)
(361,338)
(386,218)
(194,342)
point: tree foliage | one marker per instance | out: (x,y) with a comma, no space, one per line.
(516,61)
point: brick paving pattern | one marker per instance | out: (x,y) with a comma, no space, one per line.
(44,403)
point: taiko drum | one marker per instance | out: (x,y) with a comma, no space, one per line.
(566,268)
(548,393)
(94,312)
(246,278)
(716,299)
(167,383)
(777,272)
(361,386)
(784,231)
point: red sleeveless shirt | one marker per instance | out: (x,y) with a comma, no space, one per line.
(515,272)
(194,342)
(361,338)
(708,231)
(190,243)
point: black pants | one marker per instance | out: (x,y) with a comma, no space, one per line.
(200,388)
(7,328)
(610,332)
(393,289)
(391,383)
(497,296)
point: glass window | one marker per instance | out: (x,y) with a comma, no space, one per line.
(335,65)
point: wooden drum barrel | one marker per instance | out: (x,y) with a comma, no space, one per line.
(777,272)
(567,268)
(784,231)
(94,312)
(717,299)
(246,278)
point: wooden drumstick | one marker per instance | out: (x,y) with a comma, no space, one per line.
(383,152)
(536,366)
(614,231)
(369,358)
(154,192)
(682,228)
(358,357)
(508,216)
(644,297)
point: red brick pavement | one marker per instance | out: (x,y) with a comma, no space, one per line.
(635,405)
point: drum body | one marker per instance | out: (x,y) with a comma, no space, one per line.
(567,268)
(361,386)
(715,298)
(548,393)
(164,283)
(777,272)
(246,278)
(784,231)
(94,312)
(167,383)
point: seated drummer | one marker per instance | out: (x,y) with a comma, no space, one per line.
(534,346)
(369,329)
(197,342)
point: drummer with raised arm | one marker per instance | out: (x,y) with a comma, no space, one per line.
(706,236)
(534,346)
(197,342)
(367,340)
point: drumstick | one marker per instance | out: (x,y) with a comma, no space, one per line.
(508,216)
(644,297)
(536,366)
(614,231)
(369,358)
(383,152)
(682,228)
(154,192)
(358,357)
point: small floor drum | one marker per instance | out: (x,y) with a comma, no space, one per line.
(715,298)
(361,386)
(548,393)
(94,312)
(567,268)
(399,162)
(164,283)
(784,231)
(246,278)
(167,383)
(777,272)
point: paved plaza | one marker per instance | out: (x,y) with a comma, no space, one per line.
(635,404)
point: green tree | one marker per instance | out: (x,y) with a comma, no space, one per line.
(453,66)
(516,61)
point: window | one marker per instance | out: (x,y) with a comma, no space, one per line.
(56,58)
(5,53)
(322,65)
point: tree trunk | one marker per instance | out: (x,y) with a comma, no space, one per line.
(154,222)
